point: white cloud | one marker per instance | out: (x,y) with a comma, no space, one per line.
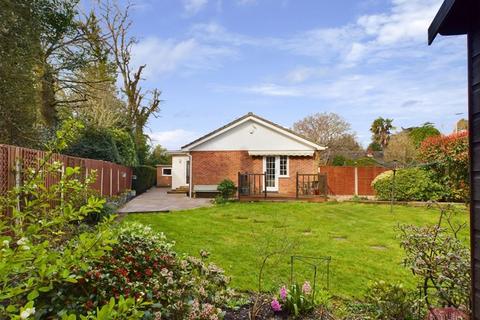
(271,89)
(300,74)
(165,56)
(192,7)
(173,139)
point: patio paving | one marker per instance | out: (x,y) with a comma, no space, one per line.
(157,200)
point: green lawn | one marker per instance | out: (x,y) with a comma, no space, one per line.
(360,238)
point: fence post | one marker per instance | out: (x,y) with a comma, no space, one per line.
(101,181)
(356,181)
(111,180)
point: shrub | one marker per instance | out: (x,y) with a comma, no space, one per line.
(413,184)
(447,158)
(44,242)
(95,144)
(226,189)
(146,178)
(143,264)
(339,160)
(439,258)
(390,301)
(112,145)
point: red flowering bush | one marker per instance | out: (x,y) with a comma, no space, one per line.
(447,158)
(143,265)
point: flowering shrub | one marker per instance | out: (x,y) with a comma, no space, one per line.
(298,299)
(142,264)
(447,158)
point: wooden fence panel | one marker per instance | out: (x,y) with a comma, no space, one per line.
(365,177)
(340,180)
(111,178)
(351,180)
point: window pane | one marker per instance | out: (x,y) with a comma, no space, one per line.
(167,172)
(283,165)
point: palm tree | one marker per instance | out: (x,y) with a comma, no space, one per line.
(381,129)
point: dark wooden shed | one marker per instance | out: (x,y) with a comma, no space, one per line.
(457,17)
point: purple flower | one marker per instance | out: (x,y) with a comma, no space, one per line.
(283,293)
(306,288)
(276,305)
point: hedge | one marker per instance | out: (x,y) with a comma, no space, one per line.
(146,177)
(413,184)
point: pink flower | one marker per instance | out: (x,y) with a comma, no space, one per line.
(276,305)
(283,293)
(306,288)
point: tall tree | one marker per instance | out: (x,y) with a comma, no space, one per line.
(63,50)
(98,103)
(18,94)
(141,104)
(329,130)
(420,133)
(401,148)
(381,131)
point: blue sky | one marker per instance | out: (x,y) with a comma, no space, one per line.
(215,60)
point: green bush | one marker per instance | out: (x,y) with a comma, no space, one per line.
(390,301)
(226,189)
(146,177)
(413,184)
(339,160)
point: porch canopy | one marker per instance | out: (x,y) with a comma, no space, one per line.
(302,153)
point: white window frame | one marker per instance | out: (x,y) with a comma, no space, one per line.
(166,175)
(279,167)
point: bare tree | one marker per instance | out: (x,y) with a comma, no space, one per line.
(140,104)
(401,148)
(329,130)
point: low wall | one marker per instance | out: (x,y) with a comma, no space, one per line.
(350,180)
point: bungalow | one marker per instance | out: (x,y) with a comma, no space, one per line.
(247,145)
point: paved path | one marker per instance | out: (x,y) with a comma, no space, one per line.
(157,200)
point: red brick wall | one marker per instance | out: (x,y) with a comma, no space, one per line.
(296,164)
(341,180)
(211,167)
(163,181)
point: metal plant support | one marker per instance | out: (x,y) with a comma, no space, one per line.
(314,263)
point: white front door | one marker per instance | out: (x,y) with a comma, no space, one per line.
(271,167)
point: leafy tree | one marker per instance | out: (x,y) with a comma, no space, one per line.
(381,130)
(401,148)
(159,156)
(461,125)
(329,130)
(98,103)
(374,146)
(18,94)
(63,50)
(112,145)
(419,134)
